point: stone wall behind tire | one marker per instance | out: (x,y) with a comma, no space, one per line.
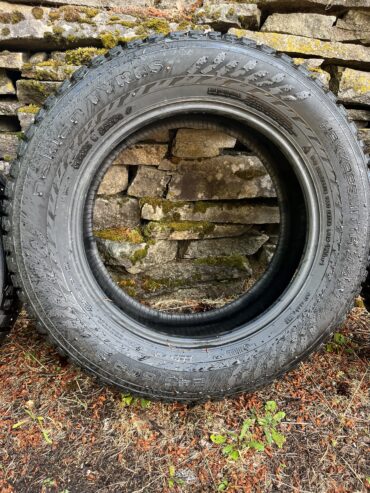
(43,43)
(186,216)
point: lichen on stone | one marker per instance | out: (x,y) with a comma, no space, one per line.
(37,12)
(11,17)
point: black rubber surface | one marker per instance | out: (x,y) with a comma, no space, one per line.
(9,303)
(105,103)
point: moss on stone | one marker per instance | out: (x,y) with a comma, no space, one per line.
(31,108)
(199,227)
(8,158)
(11,17)
(232,261)
(90,12)
(152,285)
(141,31)
(121,234)
(37,12)
(44,74)
(166,205)
(129,286)
(81,56)
(123,23)
(160,26)
(71,38)
(58,30)
(109,40)
(35,85)
(184,26)
(139,254)
(202,206)
(5,31)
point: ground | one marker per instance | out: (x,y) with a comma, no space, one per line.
(60,431)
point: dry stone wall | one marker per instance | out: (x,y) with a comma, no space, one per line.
(157,201)
(194,215)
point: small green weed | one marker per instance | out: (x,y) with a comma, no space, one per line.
(223,485)
(338,343)
(233,443)
(172,479)
(39,420)
(129,400)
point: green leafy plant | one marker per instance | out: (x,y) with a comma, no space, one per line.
(269,421)
(223,485)
(49,482)
(129,400)
(338,343)
(233,443)
(172,479)
(39,420)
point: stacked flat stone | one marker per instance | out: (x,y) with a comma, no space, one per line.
(186,222)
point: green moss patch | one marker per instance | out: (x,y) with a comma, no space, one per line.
(160,26)
(121,234)
(140,254)
(81,56)
(31,108)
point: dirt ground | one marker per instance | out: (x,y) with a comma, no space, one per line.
(60,431)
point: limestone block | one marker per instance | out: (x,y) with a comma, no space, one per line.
(194,230)
(313,65)
(114,181)
(142,154)
(287,43)
(8,107)
(248,244)
(116,211)
(149,182)
(218,186)
(10,59)
(225,15)
(201,270)
(364,135)
(197,143)
(241,212)
(48,72)
(6,84)
(354,86)
(8,146)
(35,91)
(26,115)
(310,25)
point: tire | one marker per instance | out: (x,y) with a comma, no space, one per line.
(240,85)
(9,304)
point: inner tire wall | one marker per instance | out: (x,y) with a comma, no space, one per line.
(273,282)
